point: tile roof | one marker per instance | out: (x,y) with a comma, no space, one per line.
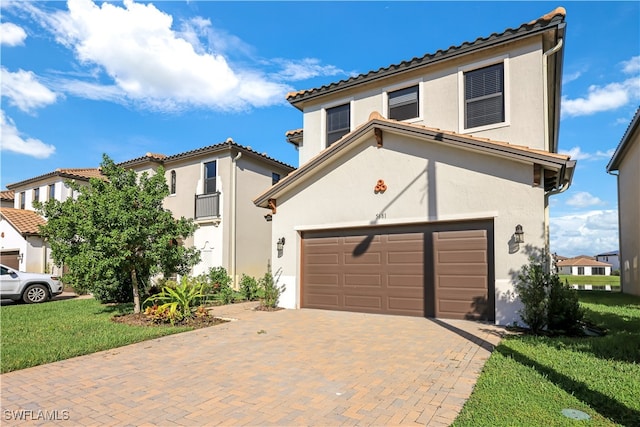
(549,20)
(625,143)
(7,195)
(83,174)
(228,144)
(294,136)
(582,261)
(25,221)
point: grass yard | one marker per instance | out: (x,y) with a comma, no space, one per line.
(530,380)
(42,333)
(614,281)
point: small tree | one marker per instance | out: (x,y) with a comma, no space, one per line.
(271,290)
(116,234)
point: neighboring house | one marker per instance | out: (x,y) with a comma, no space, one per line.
(584,266)
(626,161)
(612,258)
(7,199)
(214,185)
(19,224)
(418,182)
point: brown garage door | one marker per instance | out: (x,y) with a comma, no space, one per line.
(10,259)
(369,272)
(461,269)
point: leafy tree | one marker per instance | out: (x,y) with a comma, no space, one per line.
(116,234)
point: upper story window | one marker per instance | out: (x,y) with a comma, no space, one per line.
(484,96)
(36,194)
(404,103)
(338,122)
(210,173)
(22,200)
(275,177)
(173,182)
(52,191)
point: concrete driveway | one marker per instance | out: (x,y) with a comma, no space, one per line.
(290,367)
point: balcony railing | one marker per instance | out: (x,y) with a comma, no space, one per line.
(207,205)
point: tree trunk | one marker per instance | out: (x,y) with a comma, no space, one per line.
(136,293)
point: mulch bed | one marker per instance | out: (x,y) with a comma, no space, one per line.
(140,319)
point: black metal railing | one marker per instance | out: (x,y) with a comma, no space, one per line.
(207,205)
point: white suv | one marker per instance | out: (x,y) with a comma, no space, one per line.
(28,287)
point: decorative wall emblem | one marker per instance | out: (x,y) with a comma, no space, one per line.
(380,187)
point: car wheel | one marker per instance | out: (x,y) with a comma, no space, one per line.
(35,293)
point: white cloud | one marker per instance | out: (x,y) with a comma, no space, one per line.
(631,66)
(577,154)
(13,141)
(587,233)
(568,78)
(603,98)
(306,68)
(11,34)
(24,90)
(153,65)
(583,199)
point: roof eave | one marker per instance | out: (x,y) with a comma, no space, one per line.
(614,163)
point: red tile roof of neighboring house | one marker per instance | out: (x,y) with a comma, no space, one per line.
(549,20)
(24,221)
(582,261)
(83,174)
(8,195)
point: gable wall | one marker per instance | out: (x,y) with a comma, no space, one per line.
(440,99)
(629,206)
(432,182)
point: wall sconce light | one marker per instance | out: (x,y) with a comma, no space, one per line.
(268,217)
(280,244)
(20,257)
(518,236)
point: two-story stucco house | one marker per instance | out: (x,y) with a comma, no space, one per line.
(214,185)
(21,245)
(626,162)
(423,185)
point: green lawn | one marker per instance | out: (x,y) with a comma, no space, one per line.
(530,380)
(614,281)
(42,333)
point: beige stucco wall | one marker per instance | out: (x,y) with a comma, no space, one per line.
(441,101)
(629,205)
(427,182)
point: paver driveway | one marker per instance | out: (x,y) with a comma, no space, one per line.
(290,367)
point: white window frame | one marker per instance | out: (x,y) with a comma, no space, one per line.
(404,85)
(204,176)
(323,118)
(507,93)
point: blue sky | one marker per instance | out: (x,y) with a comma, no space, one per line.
(81,78)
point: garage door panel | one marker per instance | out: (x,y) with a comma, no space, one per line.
(405,257)
(453,256)
(323,279)
(405,304)
(329,301)
(373,258)
(355,302)
(367,280)
(462,269)
(405,281)
(455,282)
(323,259)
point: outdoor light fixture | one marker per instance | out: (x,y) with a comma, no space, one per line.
(20,257)
(280,244)
(268,217)
(518,236)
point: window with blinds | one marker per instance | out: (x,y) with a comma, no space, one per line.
(403,103)
(484,96)
(338,123)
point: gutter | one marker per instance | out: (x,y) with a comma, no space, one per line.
(232,217)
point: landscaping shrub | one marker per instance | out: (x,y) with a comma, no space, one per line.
(249,287)
(225,295)
(271,290)
(175,303)
(548,303)
(218,279)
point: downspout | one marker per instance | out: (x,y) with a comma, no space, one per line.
(545,92)
(232,242)
(545,101)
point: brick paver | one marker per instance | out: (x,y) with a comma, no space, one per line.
(290,367)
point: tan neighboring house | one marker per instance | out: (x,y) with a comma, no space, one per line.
(584,266)
(21,246)
(423,186)
(7,199)
(626,162)
(215,185)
